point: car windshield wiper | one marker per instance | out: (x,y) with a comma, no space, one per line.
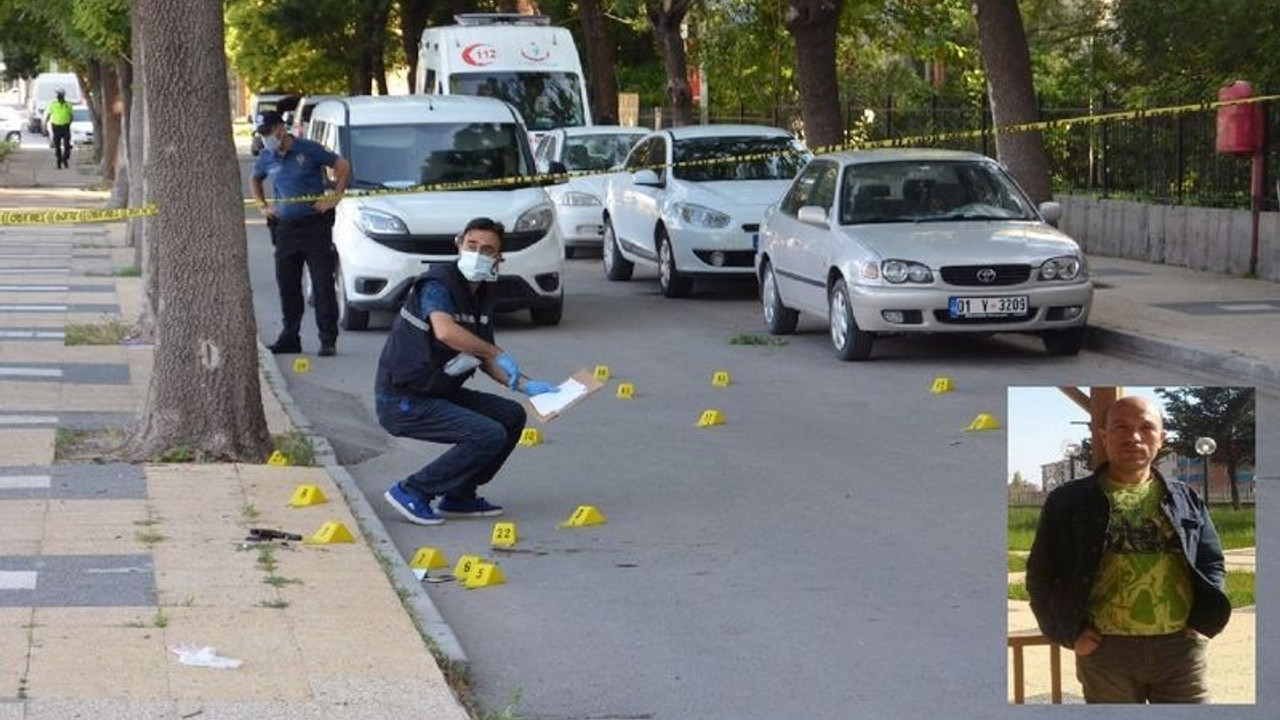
(951,217)
(872,219)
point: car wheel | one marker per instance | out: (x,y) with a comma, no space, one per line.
(674,285)
(349,318)
(548,315)
(1064,342)
(616,267)
(780,319)
(849,341)
(14,137)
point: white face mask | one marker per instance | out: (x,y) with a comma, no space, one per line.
(476,267)
(272,143)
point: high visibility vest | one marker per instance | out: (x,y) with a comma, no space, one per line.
(59,113)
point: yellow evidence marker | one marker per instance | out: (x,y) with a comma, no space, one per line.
(585,515)
(942,384)
(530,437)
(301,366)
(331,533)
(626,391)
(428,558)
(984,421)
(466,564)
(504,535)
(720,378)
(711,418)
(306,495)
(602,373)
(278,459)
(484,574)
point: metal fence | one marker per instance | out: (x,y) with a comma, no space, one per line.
(1162,159)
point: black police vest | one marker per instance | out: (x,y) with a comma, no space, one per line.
(412,359)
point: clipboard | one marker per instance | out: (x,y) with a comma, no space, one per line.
(549,406)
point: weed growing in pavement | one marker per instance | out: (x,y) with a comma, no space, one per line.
(161,620)
(278,581)
(752,339)
(148,537)
(296,446)
(507,712)
(100,445)
(111,332)
(131,271)
(249,512)
(275,604)
(267,559)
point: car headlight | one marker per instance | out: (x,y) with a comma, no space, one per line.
(376,222)
(1067,268)
(700,216)
(900,271)
(538,219)
(579,198)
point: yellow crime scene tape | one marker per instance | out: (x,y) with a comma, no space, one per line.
(67,217)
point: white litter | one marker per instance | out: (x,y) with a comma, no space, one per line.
(203,657)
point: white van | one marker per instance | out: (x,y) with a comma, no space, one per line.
(517,58)
(43,90)
(387,239)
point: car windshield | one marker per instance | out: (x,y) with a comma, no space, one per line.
(747,157)
(930,191)
(597,152)
(545,100)
(402,156)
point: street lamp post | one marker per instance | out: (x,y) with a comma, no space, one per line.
(1205,446)
(1071,450)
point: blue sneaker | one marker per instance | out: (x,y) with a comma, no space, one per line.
(415,510)
(475,507)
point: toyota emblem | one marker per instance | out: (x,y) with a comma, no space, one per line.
(986,276)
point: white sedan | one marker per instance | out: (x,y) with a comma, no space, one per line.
(588,153)
(689,201)
(908,241)
(11,122)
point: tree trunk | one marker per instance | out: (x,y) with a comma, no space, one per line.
(139,187)
(204,392)
(413,20)
(813,25)
(120,188)
(1232,466)
(603,84)
(1003,43)
(111,113)
(666,17)
(93,101)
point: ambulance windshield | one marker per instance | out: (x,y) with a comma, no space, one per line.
(545,100)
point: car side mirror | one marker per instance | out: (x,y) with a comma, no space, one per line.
(647,178)
(812,215)
(1051,212)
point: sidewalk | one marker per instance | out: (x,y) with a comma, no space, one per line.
(105,568)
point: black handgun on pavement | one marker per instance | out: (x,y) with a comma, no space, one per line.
(261,534)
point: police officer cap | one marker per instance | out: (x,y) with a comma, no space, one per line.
(268,120)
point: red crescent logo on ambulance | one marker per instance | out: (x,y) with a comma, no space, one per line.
(534,52)
(479,54)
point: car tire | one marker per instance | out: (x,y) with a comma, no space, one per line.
(1064,342)
(14,137)
(616,267)
(349,318)
(780,319)
(674,285)
(548,314)
(849,341)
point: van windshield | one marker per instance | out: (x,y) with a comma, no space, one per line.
(402,156)
(545,100)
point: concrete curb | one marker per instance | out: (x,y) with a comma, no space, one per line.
(425,614)
(1111,340)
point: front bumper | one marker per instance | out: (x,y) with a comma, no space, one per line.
(729,252)
(925,309)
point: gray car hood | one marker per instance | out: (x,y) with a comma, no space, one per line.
(963,242)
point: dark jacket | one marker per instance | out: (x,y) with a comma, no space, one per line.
(1068,547)
(412,359)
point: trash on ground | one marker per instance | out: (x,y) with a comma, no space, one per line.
(205,656)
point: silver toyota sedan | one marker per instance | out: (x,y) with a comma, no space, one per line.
(907,241)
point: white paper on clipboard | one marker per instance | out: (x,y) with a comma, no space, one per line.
(554,402)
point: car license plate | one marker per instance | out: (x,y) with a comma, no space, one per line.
(978,307)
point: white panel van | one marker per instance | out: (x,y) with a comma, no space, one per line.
(43,90)
(521,59)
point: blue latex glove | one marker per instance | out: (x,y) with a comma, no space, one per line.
(537,387)
(510,367)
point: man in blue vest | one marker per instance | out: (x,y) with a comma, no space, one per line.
(441,337)
(301,230)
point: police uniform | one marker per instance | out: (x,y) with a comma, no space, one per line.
(416,398)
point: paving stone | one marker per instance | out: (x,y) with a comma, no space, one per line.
(82,580)
(66,373)
(111,481)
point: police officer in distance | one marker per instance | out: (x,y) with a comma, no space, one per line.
(441,337)
(59,115)
(301,231)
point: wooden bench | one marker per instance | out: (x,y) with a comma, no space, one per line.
(1027,638)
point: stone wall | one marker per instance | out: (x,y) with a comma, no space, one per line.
(1201,238)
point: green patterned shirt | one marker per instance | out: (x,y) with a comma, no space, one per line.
(1143,586)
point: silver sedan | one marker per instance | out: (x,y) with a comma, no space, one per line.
(906,241)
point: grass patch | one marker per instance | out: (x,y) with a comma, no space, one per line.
(296,447)
(753,339)
(277,581)
(1235,527)
(267,559)
(1022,527)
(130,271)
(111,332)
(161,620)
(148,537)
(1240,588)
(1018,591)
(1017,563)
(181,454)
(249,512)
(87,446)
(275,604)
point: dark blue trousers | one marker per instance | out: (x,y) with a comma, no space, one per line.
(483,429)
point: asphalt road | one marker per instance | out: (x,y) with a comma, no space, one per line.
(838,544)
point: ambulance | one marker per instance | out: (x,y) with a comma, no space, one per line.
(521,59)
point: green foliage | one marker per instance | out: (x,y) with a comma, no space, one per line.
(1022,527)
(296,446)
(1018,591)
(267,56)
(1017,562)
(1236,528)
(1240,588)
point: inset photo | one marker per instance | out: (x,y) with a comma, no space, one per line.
(1131,552)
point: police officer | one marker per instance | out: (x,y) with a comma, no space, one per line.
(302,231)
(59,115)
(442,335)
